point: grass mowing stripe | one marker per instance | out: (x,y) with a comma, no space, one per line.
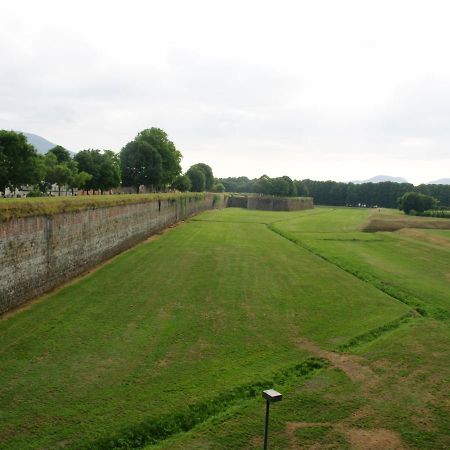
(408,299)
(155,430)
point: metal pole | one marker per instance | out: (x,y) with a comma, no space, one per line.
(266,429)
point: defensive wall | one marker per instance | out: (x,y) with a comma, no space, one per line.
(270,203)
(39,252)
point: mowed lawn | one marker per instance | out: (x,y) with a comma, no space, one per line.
(389,392)
(216,303)
(413,264)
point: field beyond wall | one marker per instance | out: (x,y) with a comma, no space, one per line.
(170,344)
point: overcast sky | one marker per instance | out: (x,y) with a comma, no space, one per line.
(337,90)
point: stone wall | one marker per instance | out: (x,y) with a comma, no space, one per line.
(38,253)
(269,203)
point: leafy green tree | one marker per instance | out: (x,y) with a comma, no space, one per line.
(197,177)
(301,188)
(78,180)
(170,156)
(56,173)
(62,154)
(104,168)
(141,164)
(209,177)
(415,201)
(19,161)
(263,185)
(218,187)
(182,183)
(280,187)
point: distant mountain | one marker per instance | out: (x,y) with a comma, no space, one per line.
(41,144)
(380,179)
(440,181)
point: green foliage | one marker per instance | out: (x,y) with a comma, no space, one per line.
(198,179)
(415,201)
(218,187)
(103,167)
(384,194)
(141,164)
(62,154)
(56,172)
(170,156)
(208,173)
(19,161)
(151,159)
(182,183)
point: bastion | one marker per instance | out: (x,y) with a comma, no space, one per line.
(270,203)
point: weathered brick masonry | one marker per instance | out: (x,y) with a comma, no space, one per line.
(38,253)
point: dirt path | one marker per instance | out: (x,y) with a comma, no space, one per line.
(351,365)
(358,438)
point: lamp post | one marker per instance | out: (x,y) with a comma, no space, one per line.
(270,395)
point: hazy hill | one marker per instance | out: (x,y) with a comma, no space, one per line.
(41,144)
(381,178)
(440,181)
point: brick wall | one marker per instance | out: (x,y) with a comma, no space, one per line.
(39,253)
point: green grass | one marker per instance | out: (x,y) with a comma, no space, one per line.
(14,208)
(172,342)
(404,264)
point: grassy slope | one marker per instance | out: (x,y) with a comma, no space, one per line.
(209,306)
(407,391)
(406,261)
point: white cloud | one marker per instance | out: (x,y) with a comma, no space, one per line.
(321,89)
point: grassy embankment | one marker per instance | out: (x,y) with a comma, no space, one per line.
(182,333)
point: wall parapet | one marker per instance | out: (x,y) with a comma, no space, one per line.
(40,252)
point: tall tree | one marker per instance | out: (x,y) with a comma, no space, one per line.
(104,168)
(170,156)
(56,173)
(207,171)
(197,178)
(141,164)
(62,154)
(182,183)
(19,161)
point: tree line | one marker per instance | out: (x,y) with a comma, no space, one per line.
(149,160)
(383,194)
(280,186)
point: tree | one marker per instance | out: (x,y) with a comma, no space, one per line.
(302,189)
(19,161)
(209,177)
(56,173)
(197,178)
(62,155)
(78,180)
(280,187)
(170,156)
(263,185)
(104,166)
(141,164)
(415,201)
(218,187)
(182,183)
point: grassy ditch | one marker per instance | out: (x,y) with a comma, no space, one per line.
(154,430)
